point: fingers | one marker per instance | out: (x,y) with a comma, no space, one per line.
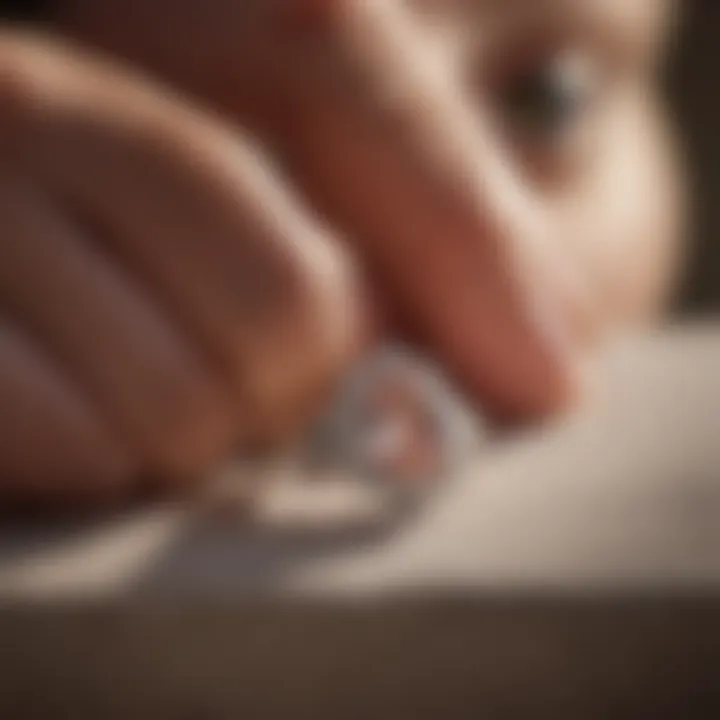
(431,196)
(118,348)
(350,97)
(417,178)
(194,213)
(158,264)
(53,444)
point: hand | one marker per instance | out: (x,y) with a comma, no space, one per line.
(164,294)
(492,250)
(536,180)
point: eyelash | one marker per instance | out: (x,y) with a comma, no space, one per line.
(548,96)
(550,135)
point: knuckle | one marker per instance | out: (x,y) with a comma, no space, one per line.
(316,335)
(333,311)
(289,365)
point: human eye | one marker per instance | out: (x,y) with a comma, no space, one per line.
(547,100)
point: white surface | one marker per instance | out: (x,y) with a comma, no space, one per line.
(624,494)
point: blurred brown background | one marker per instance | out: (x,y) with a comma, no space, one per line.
(695,83)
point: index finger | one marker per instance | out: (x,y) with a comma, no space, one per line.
(384,142)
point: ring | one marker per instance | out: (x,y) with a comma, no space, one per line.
(396,424)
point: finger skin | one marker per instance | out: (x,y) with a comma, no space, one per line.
(156,261)
(321,92)
(109,337)
(193,211)
(509,275)
(438,212)
(54,447)
(334,88)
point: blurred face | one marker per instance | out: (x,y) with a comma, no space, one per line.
(569,93)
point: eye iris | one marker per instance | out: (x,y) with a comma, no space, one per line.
(549,97)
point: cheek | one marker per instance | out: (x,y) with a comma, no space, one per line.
(625,214)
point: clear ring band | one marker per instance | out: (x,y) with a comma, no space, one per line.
(395,423)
